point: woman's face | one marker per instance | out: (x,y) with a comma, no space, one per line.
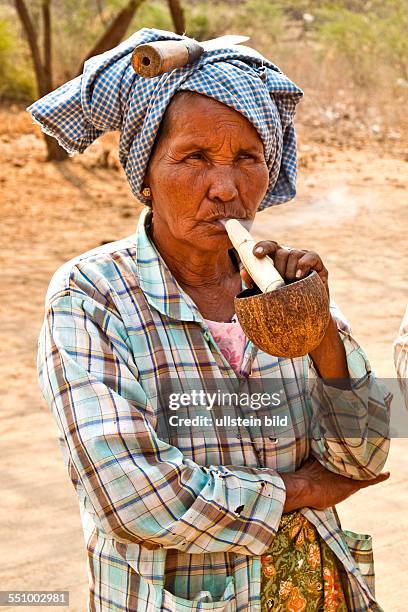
(208,164)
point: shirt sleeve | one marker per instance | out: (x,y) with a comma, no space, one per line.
(350,427)
(141,489)
(401,357)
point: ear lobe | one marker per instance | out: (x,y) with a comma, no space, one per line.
(145,189)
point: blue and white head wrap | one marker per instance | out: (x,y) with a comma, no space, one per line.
(109,96)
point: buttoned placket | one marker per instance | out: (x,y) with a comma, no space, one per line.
(250,352)
(192,314)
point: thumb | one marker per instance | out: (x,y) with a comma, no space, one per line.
(380,478)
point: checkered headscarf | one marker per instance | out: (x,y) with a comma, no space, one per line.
(109,95)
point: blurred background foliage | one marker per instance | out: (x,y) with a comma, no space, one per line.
(16,75)
(366,38)
(346,54)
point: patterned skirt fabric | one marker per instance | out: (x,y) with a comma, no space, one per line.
(299,573)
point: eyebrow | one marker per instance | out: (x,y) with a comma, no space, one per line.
(193,145)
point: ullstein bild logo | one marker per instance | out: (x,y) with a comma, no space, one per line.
(228,421)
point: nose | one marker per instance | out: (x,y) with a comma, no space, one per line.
(223,185)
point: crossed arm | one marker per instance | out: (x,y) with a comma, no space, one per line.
(144,490)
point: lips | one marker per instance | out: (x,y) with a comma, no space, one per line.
(217,218)
(217,222)
(221,218)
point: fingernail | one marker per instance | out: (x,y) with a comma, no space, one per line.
(298,273)
(259,249)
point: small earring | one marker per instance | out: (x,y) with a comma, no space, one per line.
(147,192)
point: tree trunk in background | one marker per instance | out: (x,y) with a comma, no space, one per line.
(42,58)
(47,43)
(177,15)
(31,34)
(115,31)
(54,151)
(42,67)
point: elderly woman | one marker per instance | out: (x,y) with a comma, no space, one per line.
(231,523)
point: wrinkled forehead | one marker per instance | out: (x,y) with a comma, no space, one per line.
(237,87)
(243,92)
(192,117)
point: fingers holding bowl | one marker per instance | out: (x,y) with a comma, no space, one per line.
(278,254)
(312,261)
(292,264)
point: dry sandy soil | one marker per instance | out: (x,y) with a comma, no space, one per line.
(350,208)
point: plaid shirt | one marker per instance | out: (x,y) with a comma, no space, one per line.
(401,356)
(160,519)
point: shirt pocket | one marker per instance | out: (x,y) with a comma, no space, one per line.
(200,601)
(360,546)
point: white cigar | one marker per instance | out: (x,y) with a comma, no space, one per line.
(262,271)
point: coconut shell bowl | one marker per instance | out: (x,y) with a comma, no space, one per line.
(284,320)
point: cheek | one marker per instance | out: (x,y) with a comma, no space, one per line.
(191,181)
(178,193)
(174,182)
(253,183)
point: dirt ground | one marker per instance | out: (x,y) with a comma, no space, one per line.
(351,208)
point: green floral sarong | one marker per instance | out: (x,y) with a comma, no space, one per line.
(299,573)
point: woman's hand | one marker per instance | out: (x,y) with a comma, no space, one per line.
(292,264)
(313,486)
(329,357)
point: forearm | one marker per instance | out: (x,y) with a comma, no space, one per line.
(349,424)
(297,494)
(141,489)
(329,358)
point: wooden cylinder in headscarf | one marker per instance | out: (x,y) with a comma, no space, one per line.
(155,58)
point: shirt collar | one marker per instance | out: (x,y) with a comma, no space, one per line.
(158,284)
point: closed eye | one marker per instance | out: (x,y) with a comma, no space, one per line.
(196,155)
(250,154)
(242,155)
(246,156)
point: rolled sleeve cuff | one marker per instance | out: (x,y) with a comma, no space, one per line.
(252,505)
(358,365)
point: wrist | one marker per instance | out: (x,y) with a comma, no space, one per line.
(297,492)
(329,358)
(331,336)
